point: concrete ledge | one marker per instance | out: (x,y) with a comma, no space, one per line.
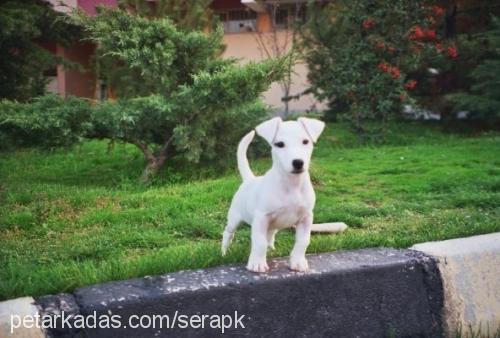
(55,306)
(12,313)
(362,293)
(470,269)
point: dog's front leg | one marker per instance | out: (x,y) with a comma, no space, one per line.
(257,260)
(298,261)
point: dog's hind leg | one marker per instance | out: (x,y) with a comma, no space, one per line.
(271,233)
(233,221)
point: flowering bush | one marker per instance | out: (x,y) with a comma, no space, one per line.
(363,55)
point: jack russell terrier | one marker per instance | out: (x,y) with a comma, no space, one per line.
(284,197)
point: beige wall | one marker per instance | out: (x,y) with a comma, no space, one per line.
(246,47)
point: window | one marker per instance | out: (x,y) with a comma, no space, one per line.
(281,17)
(285,16)
(238,20)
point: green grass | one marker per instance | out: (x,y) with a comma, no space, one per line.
(76,217)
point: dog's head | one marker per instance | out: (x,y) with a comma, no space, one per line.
(291,141)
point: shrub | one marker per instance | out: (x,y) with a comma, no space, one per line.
(362,54)
(482,99)
(186,15)
(181,98)
(46,121)
(185,101)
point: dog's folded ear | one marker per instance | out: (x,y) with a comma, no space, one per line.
(268,129)
(313,127)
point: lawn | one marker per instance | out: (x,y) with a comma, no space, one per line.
(74,217)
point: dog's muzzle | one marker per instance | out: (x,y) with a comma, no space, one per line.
(298,166)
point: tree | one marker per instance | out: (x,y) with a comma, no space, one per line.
(189,102)
(24,24)
(280,42)
(482,99)
(186,14)
(362,54)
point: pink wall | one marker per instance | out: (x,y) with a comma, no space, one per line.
(72,81)
(89,5)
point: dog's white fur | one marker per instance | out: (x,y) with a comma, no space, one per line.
(283,197)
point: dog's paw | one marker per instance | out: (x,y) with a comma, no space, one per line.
(227,237)
(299,264)
(257,266)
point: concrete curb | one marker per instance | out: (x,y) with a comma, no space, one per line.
(470,269)
(12,311)
(435,289)
(362,293)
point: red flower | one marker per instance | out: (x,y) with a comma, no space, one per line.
(452,52)
(386,68)
(368,23)
(417,33)
(383,67)
(438,11)
(439,47)
(395,72)
(430,35)
(410,85)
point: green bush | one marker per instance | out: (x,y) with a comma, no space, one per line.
(483,97)
(46,121)
(209,137)
(178,97)
(51,121)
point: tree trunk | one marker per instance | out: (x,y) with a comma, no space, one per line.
(154,161)
(152,168)
(287,108)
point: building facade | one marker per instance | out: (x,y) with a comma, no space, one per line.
(254,31)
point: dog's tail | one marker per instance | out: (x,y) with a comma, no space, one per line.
(333,227)
(243,165)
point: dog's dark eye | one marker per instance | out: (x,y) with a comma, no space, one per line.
(280,144)
(305,142)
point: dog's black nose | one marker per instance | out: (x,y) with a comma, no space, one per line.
(297,164)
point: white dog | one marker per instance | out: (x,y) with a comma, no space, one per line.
(283,197)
